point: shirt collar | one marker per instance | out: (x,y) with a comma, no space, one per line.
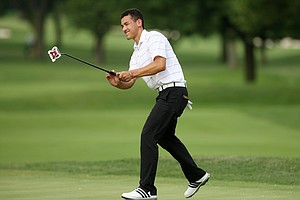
(142,39)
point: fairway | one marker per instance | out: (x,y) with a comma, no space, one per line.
(88,135)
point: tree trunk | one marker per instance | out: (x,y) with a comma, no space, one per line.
(250,69)
(99,51)
(231,48)
(263,53)
(58,27)
(38,48)
(228,53)
(224,38)
(35,12)
(223,56)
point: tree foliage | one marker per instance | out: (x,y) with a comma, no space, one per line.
(260,18)
(94,16)
(35,12)
(269,18)
(245,19)
(5,6)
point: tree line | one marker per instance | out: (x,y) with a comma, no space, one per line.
(232,20)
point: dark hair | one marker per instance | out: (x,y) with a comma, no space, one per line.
(134,13)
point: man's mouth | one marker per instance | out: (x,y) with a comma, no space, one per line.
(126,33)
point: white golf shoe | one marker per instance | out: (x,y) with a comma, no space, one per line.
(195,186)
(137,194)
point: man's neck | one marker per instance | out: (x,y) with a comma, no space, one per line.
(138,37)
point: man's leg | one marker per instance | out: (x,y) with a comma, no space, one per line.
(154,128)
(178,150)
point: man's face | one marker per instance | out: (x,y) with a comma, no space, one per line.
(130,27)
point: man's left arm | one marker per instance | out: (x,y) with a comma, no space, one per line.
(156,66)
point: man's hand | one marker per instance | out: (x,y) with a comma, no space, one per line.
(112,79)
(125,76)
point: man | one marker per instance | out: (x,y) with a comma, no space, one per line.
(154,61)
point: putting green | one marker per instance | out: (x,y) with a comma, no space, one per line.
(16,184)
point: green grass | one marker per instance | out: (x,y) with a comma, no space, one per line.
(95,135)
(269,170)
(42,185)
(277,179)
(232,178)
(66,134)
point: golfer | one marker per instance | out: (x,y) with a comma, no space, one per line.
(154,61)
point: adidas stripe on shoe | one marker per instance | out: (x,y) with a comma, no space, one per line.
(195,186)
(137,194)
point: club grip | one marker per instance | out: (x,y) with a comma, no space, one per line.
(112,73)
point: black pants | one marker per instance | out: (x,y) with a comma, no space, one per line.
(160,129)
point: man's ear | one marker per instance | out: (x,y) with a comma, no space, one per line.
(139,22)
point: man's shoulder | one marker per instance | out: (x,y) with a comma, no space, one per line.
(155,33)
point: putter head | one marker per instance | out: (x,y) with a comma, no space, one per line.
(54,53)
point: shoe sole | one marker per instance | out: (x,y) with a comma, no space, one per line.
(203,183)
(153,198)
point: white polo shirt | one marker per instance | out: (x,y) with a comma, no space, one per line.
(154,44)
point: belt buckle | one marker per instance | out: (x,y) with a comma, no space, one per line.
(161,88)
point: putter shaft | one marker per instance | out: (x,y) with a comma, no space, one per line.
(90,64)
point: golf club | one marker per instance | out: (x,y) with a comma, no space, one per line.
(54,54)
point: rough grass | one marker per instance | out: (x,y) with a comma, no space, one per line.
(271,170)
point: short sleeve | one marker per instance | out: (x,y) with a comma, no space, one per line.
(157,46)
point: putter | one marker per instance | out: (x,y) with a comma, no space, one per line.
(54,54)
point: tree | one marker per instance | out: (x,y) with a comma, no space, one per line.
(35,12)
(243,19)
(264,19)
(94,16)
